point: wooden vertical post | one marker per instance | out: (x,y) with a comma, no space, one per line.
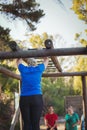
(20,117)
(84,99)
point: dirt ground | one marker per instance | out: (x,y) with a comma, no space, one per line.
(60,127)
(61,124)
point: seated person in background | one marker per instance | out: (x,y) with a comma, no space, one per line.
(51,119)
(71,119)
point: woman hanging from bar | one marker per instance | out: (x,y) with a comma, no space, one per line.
(31,102)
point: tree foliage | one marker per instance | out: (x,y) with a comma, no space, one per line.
(54,91)
(81,65)
(4,38)
(8,85)
(37,40)
(25,10)
(80,9)
(5,113)
(80,38)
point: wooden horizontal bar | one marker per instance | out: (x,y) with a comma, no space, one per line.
(44,53)
(65,74)
(11,74)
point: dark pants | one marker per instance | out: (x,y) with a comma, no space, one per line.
(31,109)
(50,128)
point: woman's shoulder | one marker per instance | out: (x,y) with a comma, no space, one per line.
(40,67)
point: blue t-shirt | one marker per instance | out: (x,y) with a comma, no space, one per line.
(31,79)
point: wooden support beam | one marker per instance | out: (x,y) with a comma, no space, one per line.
(16,76)
(62,74)
(9,73)
(84,99)
(44,52)
(49,45)
(15,119)
(56,63)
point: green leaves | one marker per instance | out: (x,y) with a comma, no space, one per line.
(28,11)
(54,91)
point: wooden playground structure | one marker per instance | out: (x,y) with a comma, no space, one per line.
(53,70)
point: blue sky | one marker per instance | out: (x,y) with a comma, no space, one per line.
(58,20)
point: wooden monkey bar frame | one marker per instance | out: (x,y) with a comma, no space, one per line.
(44,53)
(52,53)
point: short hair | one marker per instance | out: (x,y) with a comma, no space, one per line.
(32,62)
